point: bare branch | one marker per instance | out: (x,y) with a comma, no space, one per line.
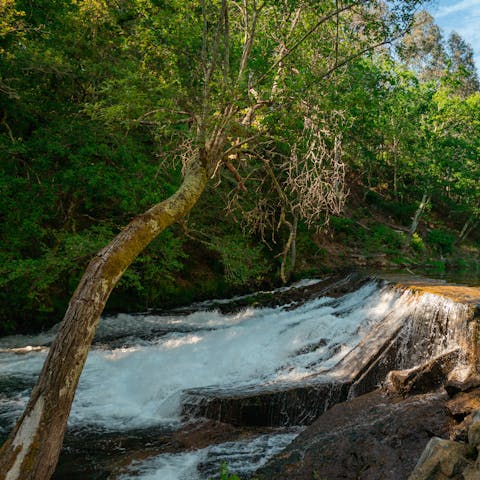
(283,50)
(248,36)
(226,42)
(7,126)
(237,176)
(316,179)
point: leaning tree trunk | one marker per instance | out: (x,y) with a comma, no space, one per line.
(418,214)
(31,452)
(467,228)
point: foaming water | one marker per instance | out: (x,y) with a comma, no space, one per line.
(137,376)
(243,458)
(141,382)
(140,366)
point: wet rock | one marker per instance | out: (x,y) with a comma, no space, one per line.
(272,407)
(371,437)
(201,434)
(370,362)
(461,408)
(459,433)
(414,335)
(312,347)
(441,459)
(474,431)
(417,333)
(472,472)
(93,454)
(460,382)
(464,404)
(451,459)
(333,286)
(422,379)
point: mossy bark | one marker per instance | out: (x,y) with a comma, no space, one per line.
(31,452)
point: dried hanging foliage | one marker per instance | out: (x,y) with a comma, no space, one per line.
(315,178)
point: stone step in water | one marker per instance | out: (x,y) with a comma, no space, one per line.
(273,407)
(417,328)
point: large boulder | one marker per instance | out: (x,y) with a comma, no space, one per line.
(442,459)
(447,459)
(371,437)
(474,431)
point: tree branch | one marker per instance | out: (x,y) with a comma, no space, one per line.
(291,49)
(237,176)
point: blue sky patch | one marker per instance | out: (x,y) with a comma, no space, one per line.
(462,16)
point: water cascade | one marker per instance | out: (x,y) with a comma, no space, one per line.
(258,366)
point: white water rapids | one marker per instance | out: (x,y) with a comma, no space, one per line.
(243,458)
(140,365)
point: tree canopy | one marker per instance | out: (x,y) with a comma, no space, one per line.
(101,102)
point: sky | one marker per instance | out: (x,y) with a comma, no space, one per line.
(463,16)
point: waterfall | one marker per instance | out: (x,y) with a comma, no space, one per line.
(260,366)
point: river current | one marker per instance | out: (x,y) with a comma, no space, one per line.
(140,366)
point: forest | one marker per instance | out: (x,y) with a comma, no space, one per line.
(158,152)
(347,138)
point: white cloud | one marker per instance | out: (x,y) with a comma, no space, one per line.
(459,7)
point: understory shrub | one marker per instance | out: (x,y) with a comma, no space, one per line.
(416,243)
(441,241)
(385,238)
(243,263)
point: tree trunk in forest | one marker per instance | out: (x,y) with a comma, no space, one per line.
(290,249)
(31,452)
(468,226)
(418,214)
(395,168)
(293,248)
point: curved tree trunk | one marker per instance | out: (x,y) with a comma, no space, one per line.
(31,452)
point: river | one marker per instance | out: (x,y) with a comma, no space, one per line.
(141,367)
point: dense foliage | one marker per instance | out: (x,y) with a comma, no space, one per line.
(100,102)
